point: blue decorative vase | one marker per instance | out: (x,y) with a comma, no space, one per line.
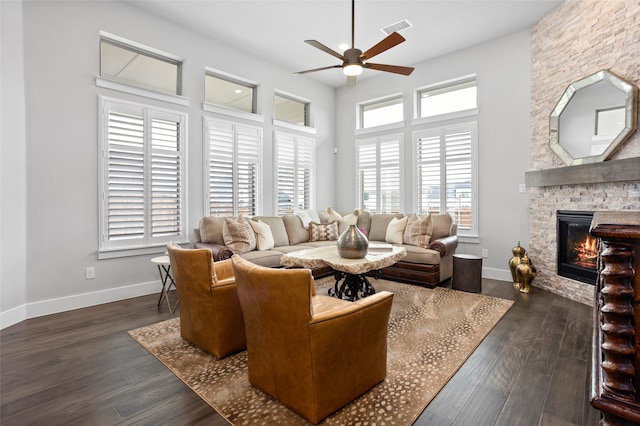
(352,244)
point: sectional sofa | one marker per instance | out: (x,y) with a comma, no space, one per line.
(430,241)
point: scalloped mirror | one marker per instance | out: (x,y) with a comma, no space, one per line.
(593,118)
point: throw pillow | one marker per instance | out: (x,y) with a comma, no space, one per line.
(264,236)
(349,219)
(238,235)
(333,215)
(418,231)
(323,231)
(395,230)
(211,230)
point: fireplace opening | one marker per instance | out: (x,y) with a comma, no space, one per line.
(577,248)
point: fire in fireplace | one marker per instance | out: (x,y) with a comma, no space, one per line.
(577,249)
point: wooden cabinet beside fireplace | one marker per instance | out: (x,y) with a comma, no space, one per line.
(615,369)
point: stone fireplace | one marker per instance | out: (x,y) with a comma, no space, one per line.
(578,38)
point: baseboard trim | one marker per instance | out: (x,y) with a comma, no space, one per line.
(76,301)
(497,274)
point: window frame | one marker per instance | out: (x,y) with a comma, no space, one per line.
(254,115)
(418,119)
(306,104)
(147,243)
(135,89)
(235,125)
(297,141)
(441,130)
(360,110)
(378,141)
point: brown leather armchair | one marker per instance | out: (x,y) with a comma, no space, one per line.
(210,313)
(311,352)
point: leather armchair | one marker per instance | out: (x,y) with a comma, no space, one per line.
(210,313)
(311,352)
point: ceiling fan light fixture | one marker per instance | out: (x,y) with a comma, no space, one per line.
(352,69)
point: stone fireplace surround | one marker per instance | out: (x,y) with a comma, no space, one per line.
(576,39)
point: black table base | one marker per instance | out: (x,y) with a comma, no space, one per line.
(353,286)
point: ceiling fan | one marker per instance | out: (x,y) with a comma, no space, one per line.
(354,60)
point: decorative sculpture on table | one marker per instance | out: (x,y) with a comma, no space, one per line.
(352,244)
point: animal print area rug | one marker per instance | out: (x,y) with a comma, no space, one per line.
(431,334)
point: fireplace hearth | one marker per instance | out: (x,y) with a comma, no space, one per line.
(577,248)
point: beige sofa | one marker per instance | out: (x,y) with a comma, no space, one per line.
(426,266)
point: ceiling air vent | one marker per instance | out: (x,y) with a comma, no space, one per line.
(397,27)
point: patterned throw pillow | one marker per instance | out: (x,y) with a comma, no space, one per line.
(238,235)
(323,231)
(418,231)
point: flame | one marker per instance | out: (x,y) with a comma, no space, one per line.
(587,251)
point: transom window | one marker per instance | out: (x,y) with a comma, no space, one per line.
(230,93)
(140,66)
(379,176)
(381,112)
(291,110)
(447,98)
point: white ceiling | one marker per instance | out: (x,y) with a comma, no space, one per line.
(275,30)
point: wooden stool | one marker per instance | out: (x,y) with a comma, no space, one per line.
(467,273)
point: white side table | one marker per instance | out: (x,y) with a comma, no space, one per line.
(164,269)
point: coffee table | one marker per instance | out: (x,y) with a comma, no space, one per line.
(350,274)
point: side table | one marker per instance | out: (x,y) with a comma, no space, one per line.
(164,269)
(467,273)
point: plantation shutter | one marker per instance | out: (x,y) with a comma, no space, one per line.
(234,153)
(379,186)
(446,175)
(125,216)
(142,176)
(295,158)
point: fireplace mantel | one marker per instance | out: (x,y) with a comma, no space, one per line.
(626,170)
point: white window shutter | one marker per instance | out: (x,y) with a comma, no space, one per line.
(379,174)
(295,159)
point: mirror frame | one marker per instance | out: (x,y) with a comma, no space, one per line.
(631,117)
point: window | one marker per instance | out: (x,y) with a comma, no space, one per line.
(140,66)
(448,97)
(230,93)
(446,174)
(233,160)
(381,112)
(295,158)
(291,110)
(142,175)
(378,165)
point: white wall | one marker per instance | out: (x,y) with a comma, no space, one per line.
(13,177)
(61,61)
(502,67)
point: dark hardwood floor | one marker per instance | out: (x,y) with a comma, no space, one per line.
(81,367)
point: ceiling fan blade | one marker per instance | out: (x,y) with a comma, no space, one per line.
(318,69)
(324,48)
(352,81)
(390,68)
(387,43)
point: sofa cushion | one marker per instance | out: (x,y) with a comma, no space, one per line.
(441,225)
(296,231)
(332,215)
(268,258)
(264,237)
(379,223)
(280,237)
(364,222)
(323,231)
(238,235)
(421,255)
(395,230)
(211,230)
(348,219)
(418,231)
